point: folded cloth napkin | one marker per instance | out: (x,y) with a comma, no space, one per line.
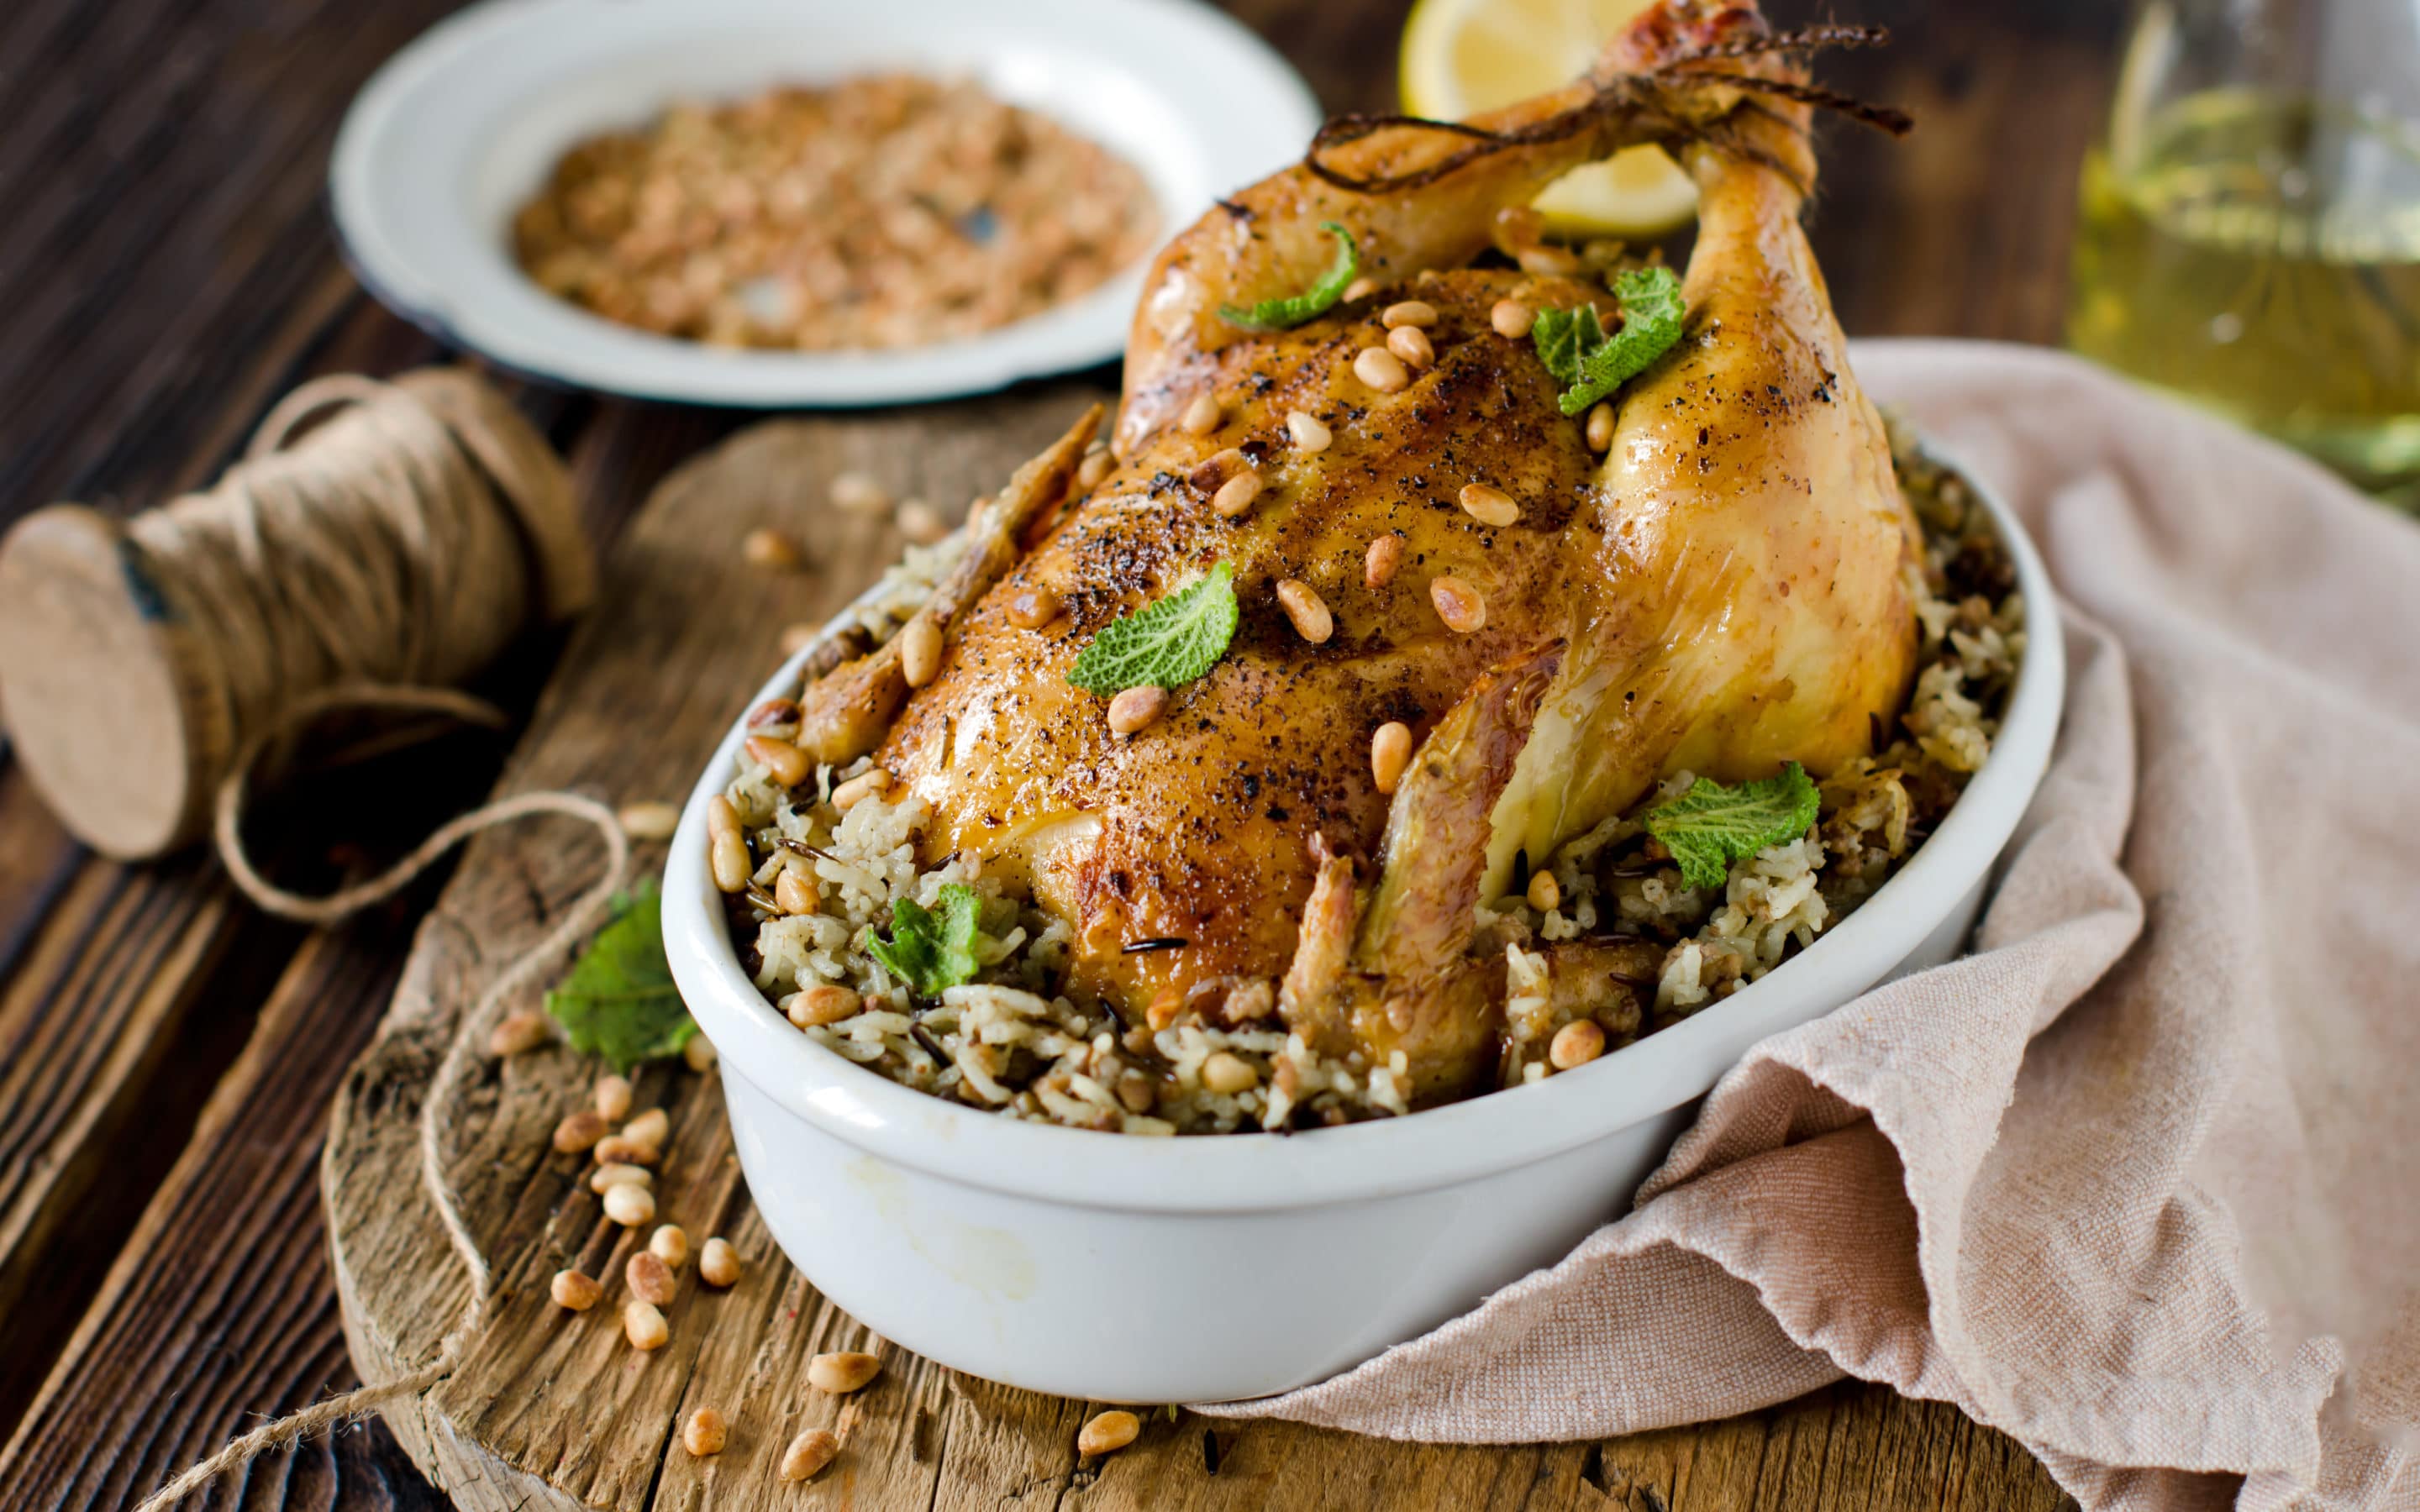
(2138,1181)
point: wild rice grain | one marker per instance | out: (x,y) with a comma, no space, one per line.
(1107,1432)
(810,1452)
(643,1325)
(574,1289)
(647,1276)
(718,1264)
(843,1373)
(1307,609)
(705,1432)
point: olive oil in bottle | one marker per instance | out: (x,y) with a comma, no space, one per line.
(2259,254)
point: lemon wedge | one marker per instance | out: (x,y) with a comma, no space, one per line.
(1463,57)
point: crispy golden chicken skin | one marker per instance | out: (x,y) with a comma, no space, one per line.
(1720,591)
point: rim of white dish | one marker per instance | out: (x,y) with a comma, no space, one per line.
(460,128)
(1436,1147)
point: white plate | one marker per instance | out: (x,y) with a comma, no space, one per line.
(462,127)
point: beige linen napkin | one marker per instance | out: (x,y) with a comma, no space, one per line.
(2139,1181)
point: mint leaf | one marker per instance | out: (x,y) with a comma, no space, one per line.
(1711,826)
(1576,348)
(931,949)
(1160,645)
(1565,337)
(1282,314)
(619,1002)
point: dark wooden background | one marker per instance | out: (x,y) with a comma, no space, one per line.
(166,1057)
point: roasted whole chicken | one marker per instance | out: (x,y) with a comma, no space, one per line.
(1716,586)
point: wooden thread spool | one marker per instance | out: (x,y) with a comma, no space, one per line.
(386,552)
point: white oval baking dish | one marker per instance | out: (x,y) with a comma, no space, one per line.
(1140,1269)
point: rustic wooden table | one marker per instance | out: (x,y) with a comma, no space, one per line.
(166,271)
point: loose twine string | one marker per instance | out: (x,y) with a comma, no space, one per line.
(363,571)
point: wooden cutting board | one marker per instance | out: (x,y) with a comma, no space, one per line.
(553,1410)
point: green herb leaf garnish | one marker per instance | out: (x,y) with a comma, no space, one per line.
(1711,826)
(1283,314)
(931,949)
(619,1002)
(1576,348)
(1160,645)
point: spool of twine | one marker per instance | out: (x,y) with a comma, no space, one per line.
(366,563)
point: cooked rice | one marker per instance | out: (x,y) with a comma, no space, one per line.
(1010,1043)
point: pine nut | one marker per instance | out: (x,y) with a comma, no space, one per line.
(921,522)
(704,1433)
(670,1245)
(798,638)
(1459,605)
(1489,506)
(646,1274)
(1550,262)
(729,856)
(1545,894)
(772,549)
(574,1290)
(1575,1044)
(1134,1092)
(579,1132)
(1108,1433)
(1307,609)
(1390,752)
(1381,370)
(810,1452)
(1360,289)
(858,494)
(720,817)
(1203,415)
(824,1003)
(718,1264)
(858,789)
(1165,1005)
(1032,608)
(697,1053)
(920,651)
(611,1096)
(1510,317)
(841,1373)
(629,1204)
(1226,1072)
(1385,555)
(1311,434)
(793,894)
(1131,710)
(652,1127)
(616,1174)
(1408,313)
(520,1032)
(773,712)
(649,819)
(1094,468)
(643,1324)
(1600,428)
(1237,494)
(786,762)
(1412,344)
(616,1149)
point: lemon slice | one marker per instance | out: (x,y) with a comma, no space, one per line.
(1463,57)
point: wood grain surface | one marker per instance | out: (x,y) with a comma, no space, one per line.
(169,1057)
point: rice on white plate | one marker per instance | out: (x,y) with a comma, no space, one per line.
(1009,1041)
